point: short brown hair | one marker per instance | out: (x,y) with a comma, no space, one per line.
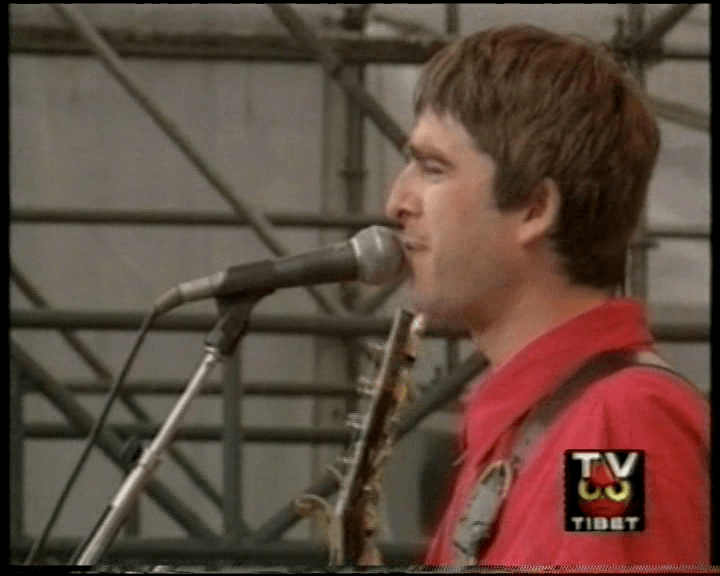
(545,105)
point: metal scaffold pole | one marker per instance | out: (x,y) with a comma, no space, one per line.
(640,38)
(638,251)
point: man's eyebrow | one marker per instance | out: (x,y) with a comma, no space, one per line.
(421,152)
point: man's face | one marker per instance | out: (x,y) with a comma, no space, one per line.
(460,248)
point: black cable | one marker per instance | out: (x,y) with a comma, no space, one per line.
(92,438)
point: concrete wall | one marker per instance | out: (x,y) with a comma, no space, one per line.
(79,141)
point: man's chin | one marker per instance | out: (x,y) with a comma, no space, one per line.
(439,316)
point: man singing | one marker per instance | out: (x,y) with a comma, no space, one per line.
(528,167)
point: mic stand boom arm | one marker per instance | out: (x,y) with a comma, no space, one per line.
(220,344)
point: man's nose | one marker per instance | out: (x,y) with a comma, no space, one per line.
(402,201)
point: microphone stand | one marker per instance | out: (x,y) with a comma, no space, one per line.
(220,344)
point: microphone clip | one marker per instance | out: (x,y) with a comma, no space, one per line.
(234,313)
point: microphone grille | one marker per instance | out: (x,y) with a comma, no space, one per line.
(379,254)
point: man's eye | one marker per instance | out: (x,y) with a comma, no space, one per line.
(432,168)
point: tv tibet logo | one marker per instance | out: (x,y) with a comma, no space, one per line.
(604,491)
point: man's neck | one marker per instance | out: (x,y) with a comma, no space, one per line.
(535,311)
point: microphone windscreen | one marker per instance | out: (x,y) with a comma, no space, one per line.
(380,255)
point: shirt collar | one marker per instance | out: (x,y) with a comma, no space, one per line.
(504,394)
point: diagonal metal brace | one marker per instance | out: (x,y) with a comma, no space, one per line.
(333,67)
(104,375)
(681,114)
(256,219)
(656,29)
(111,444)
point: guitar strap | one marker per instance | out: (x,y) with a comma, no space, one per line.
(483,508)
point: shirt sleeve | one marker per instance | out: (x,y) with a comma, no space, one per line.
(644,409)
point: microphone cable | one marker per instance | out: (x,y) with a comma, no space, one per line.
(92,438)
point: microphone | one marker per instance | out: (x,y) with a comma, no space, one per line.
(373,256)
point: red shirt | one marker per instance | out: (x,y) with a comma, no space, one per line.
(634,409)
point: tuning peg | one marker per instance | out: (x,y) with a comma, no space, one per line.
(344,460)
(366,386)
(375,351)
(354,420)
(336,474)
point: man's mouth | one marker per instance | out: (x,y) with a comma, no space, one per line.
(412,244)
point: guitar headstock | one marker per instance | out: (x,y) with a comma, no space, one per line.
(351,523)
(375,428)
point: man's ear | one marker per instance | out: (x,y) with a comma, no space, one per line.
(541,212)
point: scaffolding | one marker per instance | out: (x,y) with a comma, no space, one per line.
(342,59)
